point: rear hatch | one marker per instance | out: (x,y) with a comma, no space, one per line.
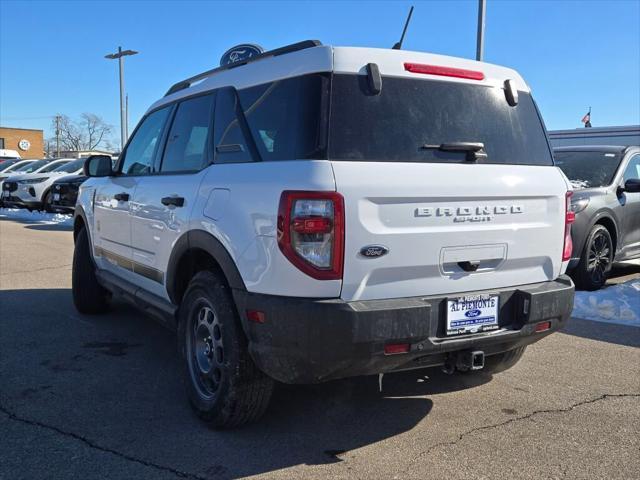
(448,218)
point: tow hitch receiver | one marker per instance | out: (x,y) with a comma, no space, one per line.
(464,361)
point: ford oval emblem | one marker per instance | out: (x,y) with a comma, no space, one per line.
(240,53)
(374,251)
(472,313)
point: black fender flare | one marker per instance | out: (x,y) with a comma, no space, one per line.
(205,241)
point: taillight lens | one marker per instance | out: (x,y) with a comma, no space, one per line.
(569,218)
(443,71)
(311,232)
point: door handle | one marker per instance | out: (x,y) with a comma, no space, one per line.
(175,201)
(121,197)
(468,266)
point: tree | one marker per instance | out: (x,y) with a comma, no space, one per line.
(87,133)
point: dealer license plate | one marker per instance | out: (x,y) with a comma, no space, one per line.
(472,314)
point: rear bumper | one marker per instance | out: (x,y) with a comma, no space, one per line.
(311,340)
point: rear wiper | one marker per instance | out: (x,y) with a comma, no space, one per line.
(475,150)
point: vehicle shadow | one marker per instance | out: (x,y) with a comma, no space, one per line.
(626,335)
(125,366)
(50,227)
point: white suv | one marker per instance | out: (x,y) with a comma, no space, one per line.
(312,213)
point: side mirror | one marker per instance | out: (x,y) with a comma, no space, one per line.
(632,185)
(98,166)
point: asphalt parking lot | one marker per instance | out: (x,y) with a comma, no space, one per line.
(101,397)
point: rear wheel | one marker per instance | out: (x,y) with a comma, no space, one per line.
(88,295)
(503,361)
(224,386)
(596,259)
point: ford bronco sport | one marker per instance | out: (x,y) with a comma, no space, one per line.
(312,213)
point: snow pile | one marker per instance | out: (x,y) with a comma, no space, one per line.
(615,304)
(35,217)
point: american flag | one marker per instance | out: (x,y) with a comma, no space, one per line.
(587,119)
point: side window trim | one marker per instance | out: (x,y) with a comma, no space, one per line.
(123,154)
(165,135)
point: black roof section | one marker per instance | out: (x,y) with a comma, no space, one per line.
(593,148)
(294,47)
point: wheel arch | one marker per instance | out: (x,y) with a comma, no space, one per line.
(79,222)
(195,251)
(610,224)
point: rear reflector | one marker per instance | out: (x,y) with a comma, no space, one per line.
(543,326)
(395,348)
(443,71)
(255,316)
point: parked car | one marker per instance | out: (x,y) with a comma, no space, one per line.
(418,222)
(606,202)
(16,167)
(33,190)
(8,154)
(65,193)
(5,164)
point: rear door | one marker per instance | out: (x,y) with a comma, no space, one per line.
(162,204)
(113,196)
(451,220)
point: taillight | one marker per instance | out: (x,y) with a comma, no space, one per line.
(443,71)
(569,218)
(311,232)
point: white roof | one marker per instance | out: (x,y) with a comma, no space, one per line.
(344,60)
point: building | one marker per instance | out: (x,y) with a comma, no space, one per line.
(624,135)
(27,142)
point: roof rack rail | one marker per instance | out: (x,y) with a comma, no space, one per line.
(294,47)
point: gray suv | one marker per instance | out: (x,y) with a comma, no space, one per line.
(606,202)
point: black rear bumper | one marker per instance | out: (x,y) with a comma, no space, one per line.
(310,340)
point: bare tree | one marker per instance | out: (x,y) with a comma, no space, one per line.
(87,133)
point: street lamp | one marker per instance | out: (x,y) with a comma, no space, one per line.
(123,117)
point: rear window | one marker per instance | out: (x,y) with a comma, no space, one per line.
(588,169)
(410,113)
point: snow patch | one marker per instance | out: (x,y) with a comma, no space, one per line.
(36,217)
(615,304)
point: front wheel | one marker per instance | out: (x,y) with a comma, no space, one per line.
(596,259)
(224,386)
(46,203)
(88,295)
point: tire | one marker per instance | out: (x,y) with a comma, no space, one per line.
(224,386)
(46,202)
(88,295)
(503,361)
(596,259)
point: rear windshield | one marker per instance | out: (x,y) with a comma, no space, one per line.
(411,113)
(588,169)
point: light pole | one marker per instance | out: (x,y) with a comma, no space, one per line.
(123,116)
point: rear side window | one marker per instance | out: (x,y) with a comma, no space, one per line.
(186,148)
(230,142)
(286,117)
(140,153)
(633,169)
(411,113)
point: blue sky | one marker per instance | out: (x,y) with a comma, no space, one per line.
(574,54)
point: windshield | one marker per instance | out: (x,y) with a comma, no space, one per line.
(20,167)
(52,166)
(33,166)
(411,118)
(588,169)
(6,164)
(71,166)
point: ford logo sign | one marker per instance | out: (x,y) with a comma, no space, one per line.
(240,53)
(374,251)
(472,313)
